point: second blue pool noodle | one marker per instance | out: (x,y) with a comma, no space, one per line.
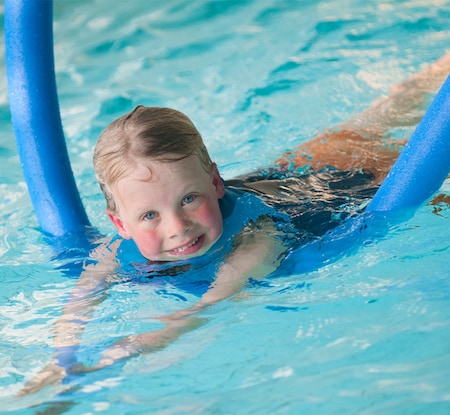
(417,174)
(36,118)
(424,162)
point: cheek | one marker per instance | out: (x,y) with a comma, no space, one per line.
(211,217)
(148,242)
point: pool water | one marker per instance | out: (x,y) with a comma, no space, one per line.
(366,333)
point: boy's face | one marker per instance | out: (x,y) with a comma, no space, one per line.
(170,209)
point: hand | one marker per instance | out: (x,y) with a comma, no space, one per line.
(50,374)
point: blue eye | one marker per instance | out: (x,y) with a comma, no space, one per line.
(150,216)
(188,199)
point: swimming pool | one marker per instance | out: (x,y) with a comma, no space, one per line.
(367,333)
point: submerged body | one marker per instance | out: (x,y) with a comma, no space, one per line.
(256,249)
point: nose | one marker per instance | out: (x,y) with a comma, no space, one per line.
(178,225)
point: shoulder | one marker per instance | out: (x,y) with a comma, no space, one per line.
(233,197)
(239,200)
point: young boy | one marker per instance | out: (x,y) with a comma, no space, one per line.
(174,212)
(166,196)
(161,187)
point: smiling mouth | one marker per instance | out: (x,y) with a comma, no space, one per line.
(184,248)
(189,248)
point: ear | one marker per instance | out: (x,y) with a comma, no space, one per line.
(218,183)
(118,223)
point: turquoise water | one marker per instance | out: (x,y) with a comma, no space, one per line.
(365,334)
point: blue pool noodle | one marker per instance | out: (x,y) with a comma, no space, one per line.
(424,162)
(36,117)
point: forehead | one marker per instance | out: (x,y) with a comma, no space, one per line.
(164,173)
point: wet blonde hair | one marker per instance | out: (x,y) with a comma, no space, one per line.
(164,134)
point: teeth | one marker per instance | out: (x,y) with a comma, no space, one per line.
(183,248)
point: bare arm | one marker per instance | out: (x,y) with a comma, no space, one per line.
(258,253)
(77,311)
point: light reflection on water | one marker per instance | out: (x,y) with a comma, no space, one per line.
(367,333)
